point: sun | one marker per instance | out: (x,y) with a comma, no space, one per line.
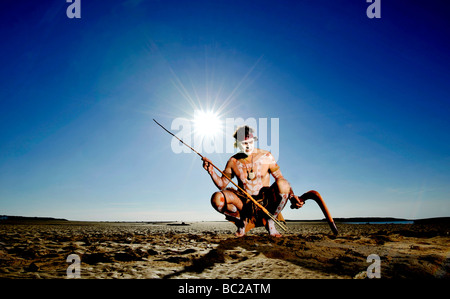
(207,123)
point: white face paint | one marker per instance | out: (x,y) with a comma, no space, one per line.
(247,146)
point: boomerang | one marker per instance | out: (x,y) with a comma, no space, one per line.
(314,195)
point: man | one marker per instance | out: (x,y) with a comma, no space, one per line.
(252,167)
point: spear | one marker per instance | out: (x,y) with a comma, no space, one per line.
(279,223)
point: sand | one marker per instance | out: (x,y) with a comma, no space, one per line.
(210,250)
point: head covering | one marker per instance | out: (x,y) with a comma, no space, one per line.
(244,133)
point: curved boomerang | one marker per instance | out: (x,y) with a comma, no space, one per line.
(314,195)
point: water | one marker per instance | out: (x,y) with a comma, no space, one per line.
(382,222)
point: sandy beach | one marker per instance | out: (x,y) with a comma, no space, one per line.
(210,250)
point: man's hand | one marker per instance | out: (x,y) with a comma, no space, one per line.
(207,165)
(296,202)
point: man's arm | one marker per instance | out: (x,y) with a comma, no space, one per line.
(296,202)
(220,181)
(274,169)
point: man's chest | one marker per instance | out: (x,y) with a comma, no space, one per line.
(249,170)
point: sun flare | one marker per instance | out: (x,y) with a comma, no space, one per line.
(207,123)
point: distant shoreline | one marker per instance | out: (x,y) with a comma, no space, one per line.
(385,220)
(359,220)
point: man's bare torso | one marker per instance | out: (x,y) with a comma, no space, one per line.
(261,163)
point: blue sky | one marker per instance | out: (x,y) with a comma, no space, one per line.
(362,104)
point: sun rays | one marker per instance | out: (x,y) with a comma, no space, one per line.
(207,123)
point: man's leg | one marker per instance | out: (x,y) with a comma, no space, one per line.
(229,204)
(280,189)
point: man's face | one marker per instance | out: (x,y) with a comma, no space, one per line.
(247,146)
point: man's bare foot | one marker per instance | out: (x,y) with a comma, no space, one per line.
(240,232)
(270,226)
(240,229)
(275,234)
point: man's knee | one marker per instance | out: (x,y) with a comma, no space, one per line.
(283,186)
(218,201)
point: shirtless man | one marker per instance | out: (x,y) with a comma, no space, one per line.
(252,167)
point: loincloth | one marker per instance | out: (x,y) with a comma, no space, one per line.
(267,197)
